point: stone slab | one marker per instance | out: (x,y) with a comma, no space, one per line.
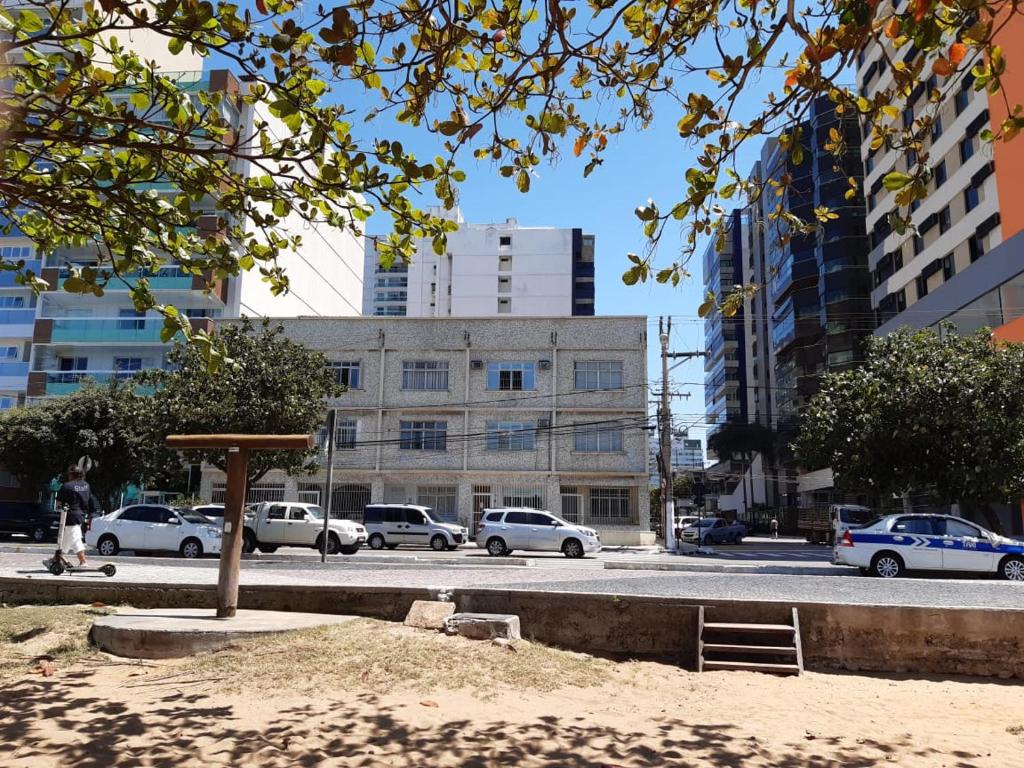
(168,633)
(427,614)
(484,626)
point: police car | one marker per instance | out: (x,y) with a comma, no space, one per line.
(891,545)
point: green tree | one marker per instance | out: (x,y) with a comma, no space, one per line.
(682,486)
(928,410)
(104,422)
(272,386)
(88,126)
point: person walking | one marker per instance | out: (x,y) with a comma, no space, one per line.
(775,528)
(76,495)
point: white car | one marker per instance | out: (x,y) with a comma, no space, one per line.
(154,527)
(503,530)
(894,544)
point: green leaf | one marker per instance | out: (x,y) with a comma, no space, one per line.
(894,180)
(139,100)
(523,181)
(705,309)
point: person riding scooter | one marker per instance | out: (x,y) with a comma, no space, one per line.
(76,495)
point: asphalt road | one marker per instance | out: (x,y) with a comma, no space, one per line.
(560,575)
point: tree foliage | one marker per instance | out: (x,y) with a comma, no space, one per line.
(927,411)
(104,422)
(740,440)
(89,126)
(272,386)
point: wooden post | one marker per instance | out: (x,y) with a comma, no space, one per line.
(238,448)
(231,544)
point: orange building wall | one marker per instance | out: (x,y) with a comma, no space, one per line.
(1011,331)
(1009,157)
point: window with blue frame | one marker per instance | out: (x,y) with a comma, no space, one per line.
(510,376)
(510,436)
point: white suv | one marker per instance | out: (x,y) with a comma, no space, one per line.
(388,525)
(503,530)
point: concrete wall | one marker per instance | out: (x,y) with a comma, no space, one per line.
(875,638)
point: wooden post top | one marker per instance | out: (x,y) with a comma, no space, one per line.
(251,442)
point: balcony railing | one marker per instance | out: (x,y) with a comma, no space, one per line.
(17,316)
(8,279)
(66,382)
(166,279)
(124,330)
(14,369)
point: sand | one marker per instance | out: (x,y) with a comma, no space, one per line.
(100,711)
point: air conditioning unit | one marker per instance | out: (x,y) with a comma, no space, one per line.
(476,365)
(543,423)
(544,364)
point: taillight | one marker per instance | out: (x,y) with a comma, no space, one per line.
(847,539)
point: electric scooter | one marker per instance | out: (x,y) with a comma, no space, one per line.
(59,564)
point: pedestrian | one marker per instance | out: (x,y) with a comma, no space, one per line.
(76,495)
(775,528)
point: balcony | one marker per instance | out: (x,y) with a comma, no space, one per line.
(17,322)
(13,376)
(8,279)
(66,382)
(167,279)
(119,331)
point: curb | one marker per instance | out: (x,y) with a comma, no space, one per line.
(794,570)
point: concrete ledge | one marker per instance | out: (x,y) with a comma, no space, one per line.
(878,638)
(483,626)
(797,570)
(169,633)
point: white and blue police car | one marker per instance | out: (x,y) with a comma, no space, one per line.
(891,545)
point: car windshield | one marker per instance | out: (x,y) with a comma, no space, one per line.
(315,512)
(191,516)
(705,522)
(854,516)
(431,514)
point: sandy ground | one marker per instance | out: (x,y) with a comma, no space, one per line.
(100,711)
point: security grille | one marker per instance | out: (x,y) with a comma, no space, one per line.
(348,500)
(481,501)
(255,494)
(572,505)
(444,499)
(613,506)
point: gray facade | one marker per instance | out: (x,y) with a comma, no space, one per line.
(543,412)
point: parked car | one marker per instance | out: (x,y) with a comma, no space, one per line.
(501,531)
(892,545)
(34,519)
(821,525)
(213,511)
(294,524)
(714,530)
(154,527)
(391,525)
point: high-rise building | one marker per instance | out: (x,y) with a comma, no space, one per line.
(965,262)
(487,269)
(50,345)
(811,316)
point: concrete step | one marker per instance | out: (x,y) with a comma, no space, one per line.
(765,650)
(752,666)
(764,629)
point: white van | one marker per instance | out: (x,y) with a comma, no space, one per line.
(391,525)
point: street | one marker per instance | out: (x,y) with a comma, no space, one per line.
(468,568)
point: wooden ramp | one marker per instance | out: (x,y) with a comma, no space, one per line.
(771,648)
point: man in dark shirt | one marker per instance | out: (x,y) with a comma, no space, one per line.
(76,495)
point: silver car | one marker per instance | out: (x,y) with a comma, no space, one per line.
(503,530)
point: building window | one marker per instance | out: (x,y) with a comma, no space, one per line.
(510,376)
(599,439)
(505,241)
(966,150)
(135,323)
(504,306)
(971,198)
(975,247)
(939,173)
(504,263)
(510,436)
(344,435)
(908,117)
(918,244)
(443,499)
(393,311)
(126,367)
(346,373)
(936,128)
(593,374)
(6,403)
(948,267)
(944,222)
(425,374)
(9,353)
(15,252)
(610,504)
(504,285)
(11,302)
(423,435)
(963,97)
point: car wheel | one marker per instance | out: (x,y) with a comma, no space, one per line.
(439,543)
(191,548)
(496,547)
(572,548)
(38,534)
(376,541)
(350,550)
(268,549)
(108,545)
(708,541)
(887,565)
(333,545)
(249,542)
(1012,569)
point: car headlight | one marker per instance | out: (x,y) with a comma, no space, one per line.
(214,533)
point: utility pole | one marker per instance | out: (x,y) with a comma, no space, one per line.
(665,435)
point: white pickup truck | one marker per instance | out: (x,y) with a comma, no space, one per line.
(276,524)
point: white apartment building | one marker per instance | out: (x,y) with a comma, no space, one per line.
(461,414)
(53,344)
(487,269)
